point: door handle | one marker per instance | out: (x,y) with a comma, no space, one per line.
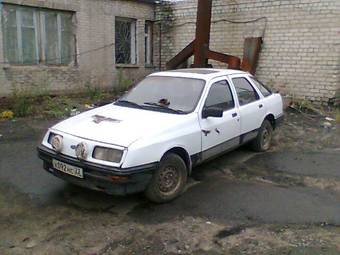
(234,115)
(261,105)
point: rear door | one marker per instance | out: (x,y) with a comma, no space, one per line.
(251,106)
(220,134)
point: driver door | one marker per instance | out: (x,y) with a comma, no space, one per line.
(220,134)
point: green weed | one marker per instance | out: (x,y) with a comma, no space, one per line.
(94,93)
(123,83)
(57,107)
(337,117)
(22,103)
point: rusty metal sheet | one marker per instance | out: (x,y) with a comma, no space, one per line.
(251,53)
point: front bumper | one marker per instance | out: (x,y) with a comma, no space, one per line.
(112,180)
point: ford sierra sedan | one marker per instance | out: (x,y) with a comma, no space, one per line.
(152,137)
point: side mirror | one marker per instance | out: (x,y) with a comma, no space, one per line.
(214,112)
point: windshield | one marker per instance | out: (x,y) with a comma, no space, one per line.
(163,93)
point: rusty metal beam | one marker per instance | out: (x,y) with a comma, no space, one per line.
(201,50)
(181,57)
(232,61)
(203,25)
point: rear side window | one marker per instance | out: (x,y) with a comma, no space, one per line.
(220,96)
(245,91)
(264,90)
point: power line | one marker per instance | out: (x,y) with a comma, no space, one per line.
(224,20)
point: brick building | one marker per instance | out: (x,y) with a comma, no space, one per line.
(64,45)
(301,40)
(67,45)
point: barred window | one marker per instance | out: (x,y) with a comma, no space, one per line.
(33,36)
(125,41)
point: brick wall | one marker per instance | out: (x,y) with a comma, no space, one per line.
(301,50)
(94,28)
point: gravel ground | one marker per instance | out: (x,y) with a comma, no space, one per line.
(286,201)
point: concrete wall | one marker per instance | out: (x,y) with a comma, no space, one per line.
(94,28)
(301,50)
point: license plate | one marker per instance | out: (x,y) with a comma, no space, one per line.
(68,169)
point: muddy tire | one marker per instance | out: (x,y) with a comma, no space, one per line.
(264,138)
(169,179)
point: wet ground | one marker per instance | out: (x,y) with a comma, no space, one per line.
(286,201)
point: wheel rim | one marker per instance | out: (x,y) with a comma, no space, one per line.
(266,138)
(169,179)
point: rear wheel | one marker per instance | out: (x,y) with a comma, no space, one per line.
(264,138)
(168,180)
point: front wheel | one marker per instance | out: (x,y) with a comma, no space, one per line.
(168,180)
(264,138)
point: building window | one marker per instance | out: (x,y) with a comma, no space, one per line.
(57,37)
(148,43)
(125,41)
(33,36)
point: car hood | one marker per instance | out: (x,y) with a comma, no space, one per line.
(118,125)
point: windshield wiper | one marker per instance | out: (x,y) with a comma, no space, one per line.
(128,103)
(161,106)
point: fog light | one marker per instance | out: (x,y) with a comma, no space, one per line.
(57,143)
(81,151)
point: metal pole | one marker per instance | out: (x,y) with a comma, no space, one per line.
(203,26)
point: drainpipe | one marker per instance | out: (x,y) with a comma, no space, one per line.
(160,46)
(1,8)
(160,35)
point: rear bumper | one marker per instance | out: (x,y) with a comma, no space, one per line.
(112,180)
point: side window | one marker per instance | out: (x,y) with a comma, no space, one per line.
(220,96)
(265,92)
(245,91)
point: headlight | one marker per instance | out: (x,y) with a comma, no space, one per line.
(56,141)
(108,154)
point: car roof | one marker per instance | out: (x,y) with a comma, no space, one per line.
(199,73)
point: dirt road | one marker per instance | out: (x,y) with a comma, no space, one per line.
(286,201)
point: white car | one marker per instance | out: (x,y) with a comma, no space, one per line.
(152,137)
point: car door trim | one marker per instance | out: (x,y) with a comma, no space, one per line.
(222,148)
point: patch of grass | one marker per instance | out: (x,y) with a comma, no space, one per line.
(306,106)
(123,83)
(22,106)
(57,107)
(94,93)
(29,103)
(303,104)
(337,116)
